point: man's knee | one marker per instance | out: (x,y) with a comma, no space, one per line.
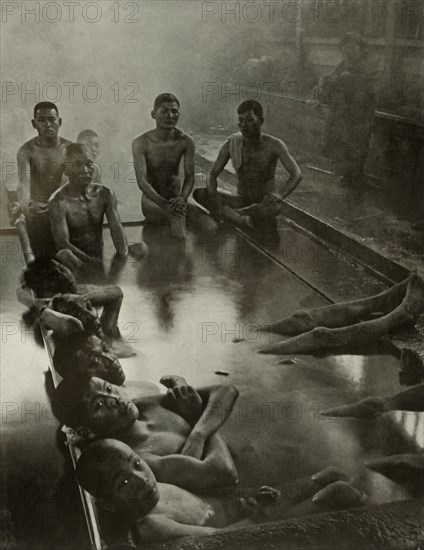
(68,259)
(201,196)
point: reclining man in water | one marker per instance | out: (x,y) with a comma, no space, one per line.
(174,433)
(351,323)
(77,211)
(117,476)
(157,157)
(68,309)
(254,156)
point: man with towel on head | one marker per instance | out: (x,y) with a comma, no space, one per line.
(254,156)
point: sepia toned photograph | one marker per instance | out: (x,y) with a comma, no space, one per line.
(212,275)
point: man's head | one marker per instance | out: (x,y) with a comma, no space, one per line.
(46,277)
(80,308)
(166,111)
(78,165)
(93,403)
(251,117)
(89,356)
(353,46)
(111,471)
(46,120)
(90,139)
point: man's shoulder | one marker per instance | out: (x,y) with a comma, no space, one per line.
(59,195)
(141,140)
(63,142)
(273,141)
(27,146)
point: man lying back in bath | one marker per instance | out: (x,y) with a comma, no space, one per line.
(69,309)
(174,433)
(124,483)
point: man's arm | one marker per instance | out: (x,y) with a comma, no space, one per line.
(139,158)
(157,528)
(188,169)
(292,168)
(218,167)
(60,231)
(24,175)
(115,225)
(219,402)
(215,470)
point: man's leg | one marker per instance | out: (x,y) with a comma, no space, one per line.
(223,207)
(370,407)
(322,338)
(340,315)
(39,233)
(155,215)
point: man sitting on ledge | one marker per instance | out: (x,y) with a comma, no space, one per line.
(77,211)
(254,156)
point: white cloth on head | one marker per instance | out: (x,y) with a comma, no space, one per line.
(236,150)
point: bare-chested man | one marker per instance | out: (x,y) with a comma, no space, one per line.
(40,172)
(157,157)
(174,433)
(77,211)
(254,156)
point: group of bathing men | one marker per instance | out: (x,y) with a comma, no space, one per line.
(154,454)
(66,218)
(151,459)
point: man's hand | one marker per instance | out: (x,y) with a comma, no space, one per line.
(138,250)
(178,205)
(271,200)
(185,401)
(194,446)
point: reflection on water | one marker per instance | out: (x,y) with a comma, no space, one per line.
(413,424)
(353,365)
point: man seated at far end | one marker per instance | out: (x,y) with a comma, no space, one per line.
(157,157)
(254,156)
(90,139)
(77,211)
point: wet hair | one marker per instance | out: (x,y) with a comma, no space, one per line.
(86,134)
(76,357)
(67,401)
(47,277)
(45,105)
(92,478)
(251,105)
(353,38)
(164,98)
(74,149)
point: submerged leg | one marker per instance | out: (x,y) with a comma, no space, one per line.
(323,338)
(370,407)
(339,315)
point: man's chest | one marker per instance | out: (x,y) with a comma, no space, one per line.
(80,212)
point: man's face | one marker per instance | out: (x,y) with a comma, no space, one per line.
(167,115)
(352,52)
(131,482)
(47,123)
(79,168)
(99,361)
(80,308)
(250,124)
(92,144)
(107,410)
